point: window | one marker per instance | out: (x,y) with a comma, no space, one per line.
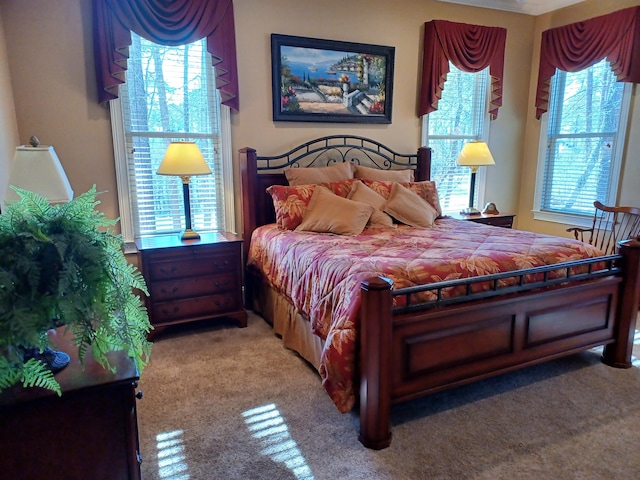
(170,95)
(582,136)
(461,117)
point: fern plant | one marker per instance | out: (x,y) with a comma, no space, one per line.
(63,265)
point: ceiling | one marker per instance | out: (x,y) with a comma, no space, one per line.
(529,7)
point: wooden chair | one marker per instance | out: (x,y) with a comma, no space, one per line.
(610,225)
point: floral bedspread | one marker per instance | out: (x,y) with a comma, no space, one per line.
(321,273)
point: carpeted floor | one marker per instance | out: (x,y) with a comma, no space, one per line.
(227,403)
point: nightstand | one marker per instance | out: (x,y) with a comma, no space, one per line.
(91,431)
(192,280)
(504,220)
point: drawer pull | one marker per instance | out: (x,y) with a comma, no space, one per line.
(221,265)
(173,290)
(174,310)
(218,303)
(223,284)
(173,269)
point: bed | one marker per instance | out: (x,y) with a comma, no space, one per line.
(396,326)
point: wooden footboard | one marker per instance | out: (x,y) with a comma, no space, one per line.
(411,354)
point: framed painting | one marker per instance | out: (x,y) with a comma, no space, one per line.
(316,80)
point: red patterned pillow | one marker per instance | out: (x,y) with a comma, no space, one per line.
(426,190)
(290,202)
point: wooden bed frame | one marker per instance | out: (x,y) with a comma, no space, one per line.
(419,350)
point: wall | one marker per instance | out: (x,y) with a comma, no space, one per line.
(9,130)
(377,22)
(629,192)
(51,62)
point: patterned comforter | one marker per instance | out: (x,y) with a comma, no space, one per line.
(320,274)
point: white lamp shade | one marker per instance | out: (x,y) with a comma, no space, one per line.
(38,169)
(475,154)
(183,159)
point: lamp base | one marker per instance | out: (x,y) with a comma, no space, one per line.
(53,359)
(470,211)
(189,234)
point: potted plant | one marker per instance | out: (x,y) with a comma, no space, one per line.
(62,265)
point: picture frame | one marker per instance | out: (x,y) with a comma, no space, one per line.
(315,80)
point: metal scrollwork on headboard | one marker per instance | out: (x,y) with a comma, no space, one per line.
(335,149)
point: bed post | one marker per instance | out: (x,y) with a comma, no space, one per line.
(248,176)
(375,363)
(618,354)
(423,164)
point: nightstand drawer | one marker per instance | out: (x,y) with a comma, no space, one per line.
(193,287)
(191,265)
(506,221)
(198,307)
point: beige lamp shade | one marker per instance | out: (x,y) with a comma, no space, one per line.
(183,159)
(38,169)
(475,154)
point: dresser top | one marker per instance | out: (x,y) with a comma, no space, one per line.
(173,240)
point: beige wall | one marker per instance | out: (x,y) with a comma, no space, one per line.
(9,130)
(51,64)
(398,24)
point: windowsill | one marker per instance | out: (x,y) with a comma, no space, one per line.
(582,221)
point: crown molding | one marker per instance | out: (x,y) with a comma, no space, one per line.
(527,7)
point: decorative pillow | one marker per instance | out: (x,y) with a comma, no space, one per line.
(290,202)
(426,190)
(384,175)
(311,175)
(329,213)
(409,208)
(361,193)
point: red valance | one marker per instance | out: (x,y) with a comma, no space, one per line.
(470,48)
(577,46)
(174,22)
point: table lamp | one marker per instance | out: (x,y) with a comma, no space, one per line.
(184,159)
(38,169)
(473,155)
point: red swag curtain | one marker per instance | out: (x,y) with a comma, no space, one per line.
(167,22)
(470,48)
(577,46)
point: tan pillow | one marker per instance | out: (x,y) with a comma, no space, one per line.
(409,208)
(361,193)
(384,175)
(306,176)
(329,213)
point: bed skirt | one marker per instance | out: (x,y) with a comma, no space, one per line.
(288,323)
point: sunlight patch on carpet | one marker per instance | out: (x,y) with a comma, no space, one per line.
(171,459)
(266,424)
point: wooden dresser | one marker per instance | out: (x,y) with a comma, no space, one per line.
(192,280)
(91,431)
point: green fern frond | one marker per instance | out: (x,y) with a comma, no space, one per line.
(36,374)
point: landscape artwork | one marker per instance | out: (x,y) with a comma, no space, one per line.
(329,81)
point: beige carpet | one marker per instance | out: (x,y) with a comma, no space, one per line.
(227,403)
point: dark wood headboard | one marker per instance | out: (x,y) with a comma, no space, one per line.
(257,173)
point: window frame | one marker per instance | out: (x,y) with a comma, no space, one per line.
(581,220)
(481,175)
(122,173)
